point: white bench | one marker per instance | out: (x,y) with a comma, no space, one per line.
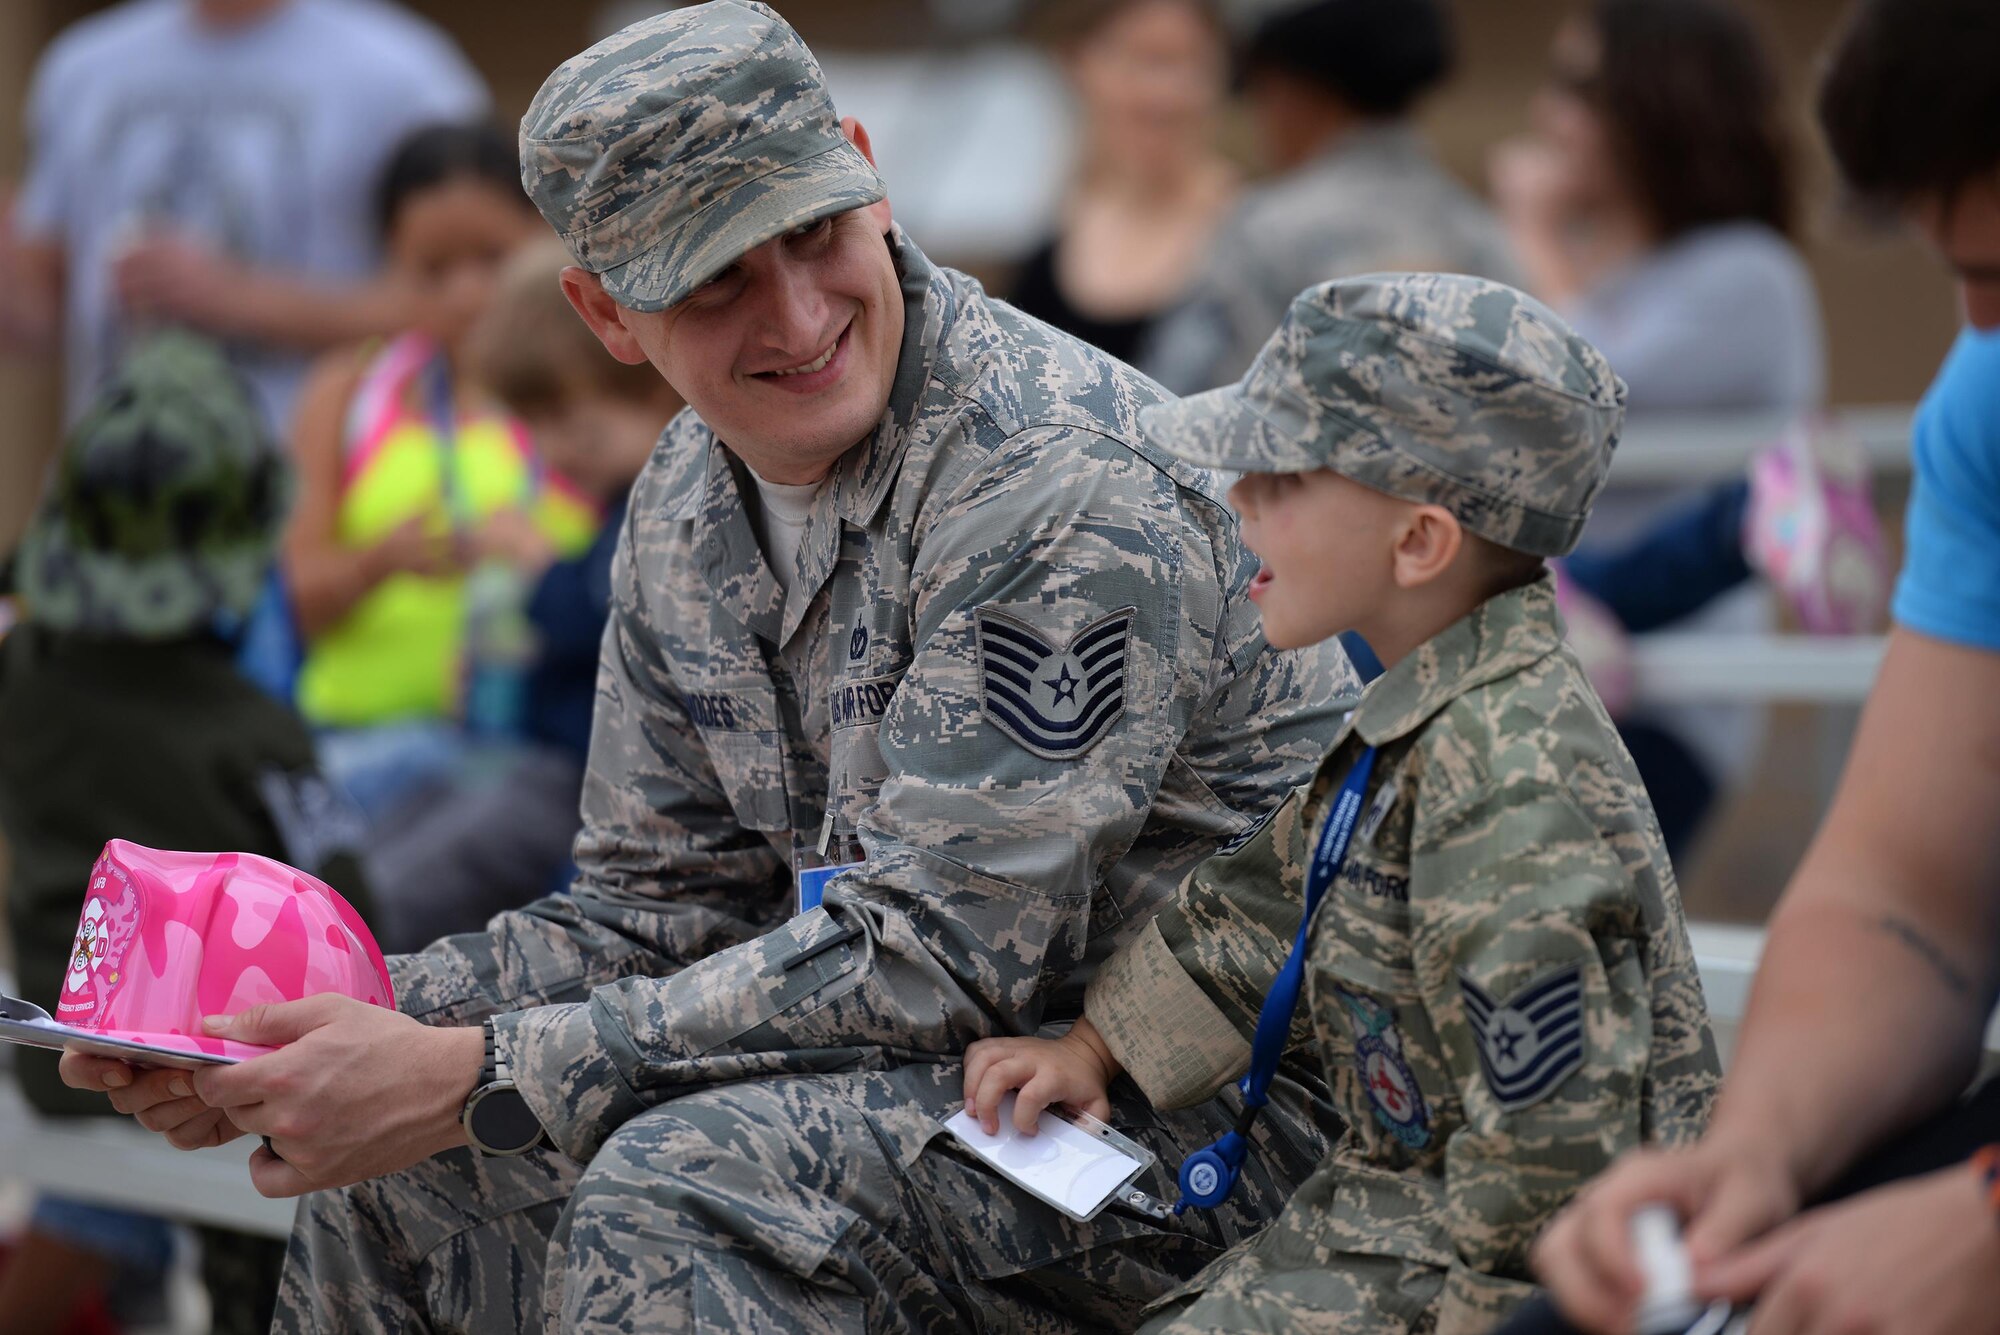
(109,1161)
(1681,447)
(1674,668)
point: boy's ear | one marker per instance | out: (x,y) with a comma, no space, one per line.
(586,294)
(1427,542)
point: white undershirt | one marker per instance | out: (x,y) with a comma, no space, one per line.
(784,510)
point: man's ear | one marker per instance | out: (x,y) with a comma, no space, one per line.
(858,136)
(1427,542)
(588,298)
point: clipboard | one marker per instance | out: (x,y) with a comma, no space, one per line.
(28,1024)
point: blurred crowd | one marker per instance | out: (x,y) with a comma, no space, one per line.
(328,543)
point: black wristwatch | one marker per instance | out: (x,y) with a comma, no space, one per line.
(496,1118)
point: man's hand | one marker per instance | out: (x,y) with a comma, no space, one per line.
(160,1100)
(1725,1195)
(1076,1069)
(1917,1258)
(354,1092)
(175,279)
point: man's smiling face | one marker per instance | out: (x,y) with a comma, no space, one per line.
(789,353)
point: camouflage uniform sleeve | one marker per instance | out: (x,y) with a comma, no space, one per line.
(1527,942)
(1178,1003)
(666,873)
(1179,1006)
(975,899)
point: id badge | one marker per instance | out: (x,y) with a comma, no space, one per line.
(813,867)
(1073,1162)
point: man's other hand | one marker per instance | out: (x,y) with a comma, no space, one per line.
(354,1091)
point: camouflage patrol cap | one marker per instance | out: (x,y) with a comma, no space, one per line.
(1436,388)
(166,504)
(671,148)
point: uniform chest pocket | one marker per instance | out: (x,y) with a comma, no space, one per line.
(1381,1052)
(741,728)
(856,770)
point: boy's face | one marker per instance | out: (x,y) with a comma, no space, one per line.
(1327,545)
(598,441)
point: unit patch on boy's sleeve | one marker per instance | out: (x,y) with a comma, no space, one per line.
(1531,1042)
(1056,702)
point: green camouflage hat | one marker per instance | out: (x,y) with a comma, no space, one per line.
(1438,388)
(671,148)
(166,505)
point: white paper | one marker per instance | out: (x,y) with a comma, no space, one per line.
(1064,1164)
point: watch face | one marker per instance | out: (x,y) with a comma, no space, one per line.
(501,1123)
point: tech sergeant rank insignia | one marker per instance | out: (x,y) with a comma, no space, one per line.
(1056,702)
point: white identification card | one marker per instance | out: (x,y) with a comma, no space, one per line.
(1073,1161)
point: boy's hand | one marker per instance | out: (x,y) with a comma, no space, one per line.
(1076,1069)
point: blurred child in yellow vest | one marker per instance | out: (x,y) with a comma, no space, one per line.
(452,855)
(412,475)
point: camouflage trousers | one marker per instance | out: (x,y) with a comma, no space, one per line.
(804,1203)
(1350,1294)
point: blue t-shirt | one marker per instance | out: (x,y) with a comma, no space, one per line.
(1950,586)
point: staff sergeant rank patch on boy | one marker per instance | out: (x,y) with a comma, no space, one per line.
(1496,977)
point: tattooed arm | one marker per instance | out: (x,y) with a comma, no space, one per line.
(1877,977)
(1881,962)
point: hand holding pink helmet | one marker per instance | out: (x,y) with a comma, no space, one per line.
(167,938)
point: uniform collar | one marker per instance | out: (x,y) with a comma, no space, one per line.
(1372,145)
(1503,635)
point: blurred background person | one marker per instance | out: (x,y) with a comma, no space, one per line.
(1653,205)
(124,717)
(414,480)
(494,836)
(1330,88)
(1150,187)
(1850,1180)
(210,163)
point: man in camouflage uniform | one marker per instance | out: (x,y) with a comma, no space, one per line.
(1012,661)
(1501,987)
(1331,84)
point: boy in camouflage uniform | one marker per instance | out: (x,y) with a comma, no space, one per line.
(1501,987)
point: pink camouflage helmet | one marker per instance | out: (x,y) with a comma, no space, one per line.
(167,938)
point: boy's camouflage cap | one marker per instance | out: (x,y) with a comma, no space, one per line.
(1436,388)
(674,146)
(166,505)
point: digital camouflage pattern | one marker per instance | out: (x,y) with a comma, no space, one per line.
(166,505)
(677,144)
(781,1204)
(1506,843)
(1008,476)
(1436,388)
(1373,202)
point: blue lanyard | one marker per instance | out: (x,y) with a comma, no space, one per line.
(1208,1175)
